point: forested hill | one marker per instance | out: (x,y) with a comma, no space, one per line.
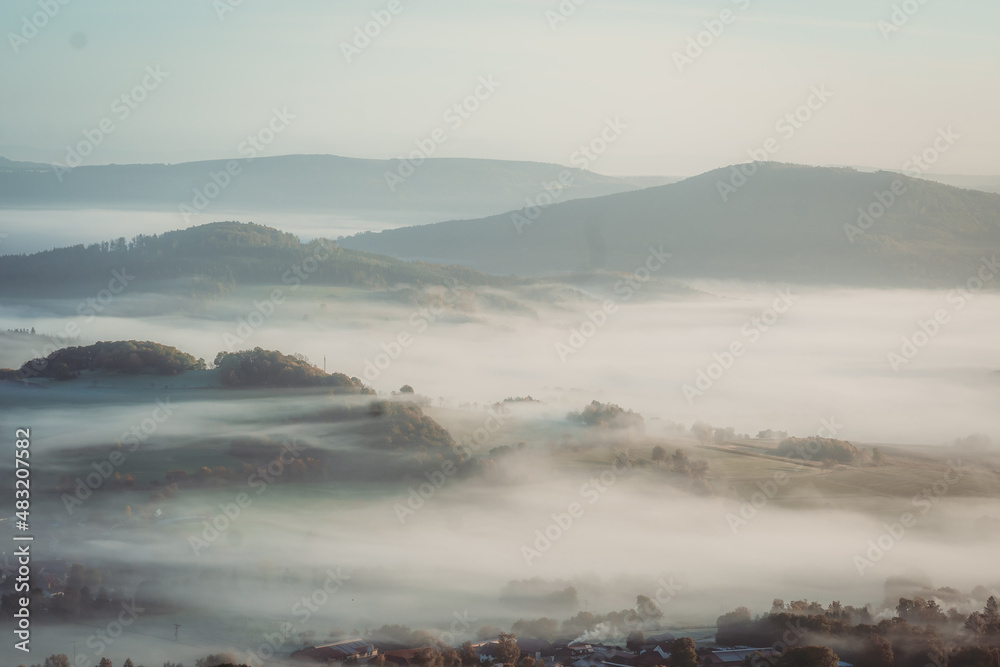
(213,258)
(763,221)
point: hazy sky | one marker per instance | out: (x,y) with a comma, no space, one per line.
(228,70)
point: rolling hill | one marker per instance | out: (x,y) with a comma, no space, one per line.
(301,183)
(210,260)
(782,223)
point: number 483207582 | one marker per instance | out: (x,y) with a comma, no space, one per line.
(22,471)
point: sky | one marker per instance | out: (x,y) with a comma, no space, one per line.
(561,72)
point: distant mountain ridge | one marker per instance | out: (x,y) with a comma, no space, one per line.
(307,183)
(783,222)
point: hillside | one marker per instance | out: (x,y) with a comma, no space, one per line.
(211,259)
(786,223)
(303,183)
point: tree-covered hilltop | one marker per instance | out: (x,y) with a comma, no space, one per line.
(124,356)
(270,368)
(244,369)
(213,258)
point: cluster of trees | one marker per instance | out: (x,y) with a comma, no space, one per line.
(706,433)
(818,449)
(269,368)
(30,332)
(127,356)
(646,615)
(694,470)
(76,600)
(61,660)
(212,259)
(403,425)
(920,633)
(606,415)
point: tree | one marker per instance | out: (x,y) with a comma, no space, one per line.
(975,656)
(57,660)
(635,640)
(507,650)
(878,458)
(647,608)
(680,461)
(659,454)
(755,659)
(683,653)
(105,662)
(878,652)
(467,655)
(808,656)
(428,657)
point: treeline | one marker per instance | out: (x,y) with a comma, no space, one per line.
(214,258)
(243,369)
(818,449)
(606,415)
(128,356)
(920,633)
(270,368)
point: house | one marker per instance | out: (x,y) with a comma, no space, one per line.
(400,658)
(733,657)
(341,651)
(658,654)
(573,653)
(534,647)
(619,658)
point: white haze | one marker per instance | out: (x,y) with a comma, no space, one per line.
(824,359)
